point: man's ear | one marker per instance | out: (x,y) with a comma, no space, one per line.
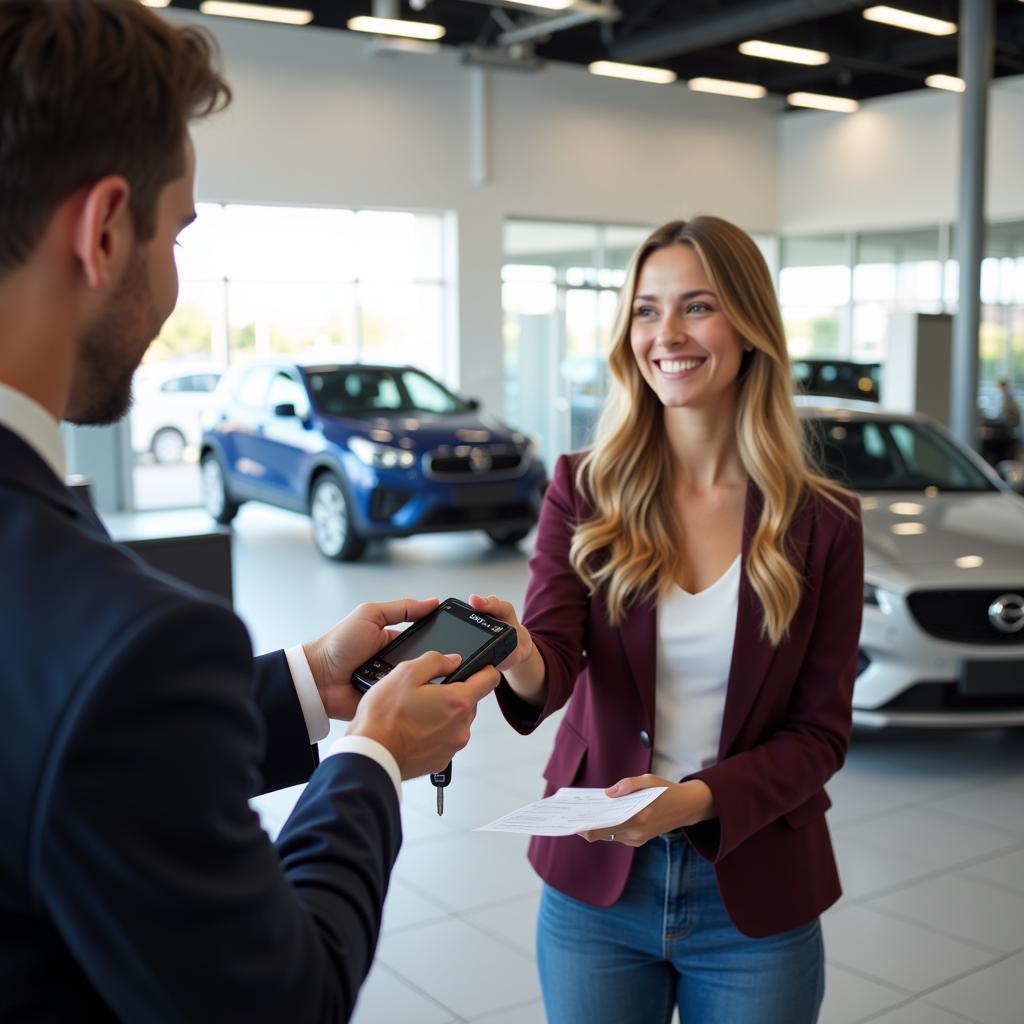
(103,231)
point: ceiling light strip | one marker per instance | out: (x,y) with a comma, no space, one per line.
(909,20)
(545,5)
(779,51)
(395,27)
(633,72)
(256,12)
(818,101)
(723,87)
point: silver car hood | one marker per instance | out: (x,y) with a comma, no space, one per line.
(984,530)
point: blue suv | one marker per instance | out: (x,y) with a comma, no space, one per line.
(367,452)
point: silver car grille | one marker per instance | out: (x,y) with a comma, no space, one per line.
(467,463)
(970,616)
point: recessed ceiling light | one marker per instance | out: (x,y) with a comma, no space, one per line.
(948,82)
(909,20)
(396,27)
(256,12)
(156,3)
(723,87)
(818,101)
(634,72)
(778,51)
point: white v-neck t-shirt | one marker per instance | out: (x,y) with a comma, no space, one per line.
(696,633)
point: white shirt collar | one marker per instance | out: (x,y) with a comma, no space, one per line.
(35,426)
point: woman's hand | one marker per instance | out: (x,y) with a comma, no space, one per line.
(683,803)
(524,668)
(499,609)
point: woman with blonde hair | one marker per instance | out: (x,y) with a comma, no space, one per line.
(695,598)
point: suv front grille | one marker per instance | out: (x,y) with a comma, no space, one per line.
(474,462)
(962,616)
(935,696)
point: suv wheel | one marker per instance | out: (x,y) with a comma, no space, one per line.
(168,446)
(334,532)
(216,500)
(507,538)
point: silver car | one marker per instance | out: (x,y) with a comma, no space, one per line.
(943,637)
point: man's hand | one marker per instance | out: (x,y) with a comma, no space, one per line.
(684,803)
(342,649)
(422,725)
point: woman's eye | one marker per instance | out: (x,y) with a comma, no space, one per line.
(643,311)
(698,307)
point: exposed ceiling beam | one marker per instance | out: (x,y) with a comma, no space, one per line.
(602,9)
(894,60)
(725,26)
(546,26)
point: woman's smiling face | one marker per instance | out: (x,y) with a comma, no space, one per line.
(684,346)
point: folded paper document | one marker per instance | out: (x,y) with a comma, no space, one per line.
(573,810)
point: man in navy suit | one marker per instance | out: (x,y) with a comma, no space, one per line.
(135,880)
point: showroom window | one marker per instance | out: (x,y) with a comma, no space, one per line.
(895,270)
(338,284)
(814,292)
(560,286)
(1002,311)
(837,292)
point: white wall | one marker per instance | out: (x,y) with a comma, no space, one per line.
(895,163)
(318,119)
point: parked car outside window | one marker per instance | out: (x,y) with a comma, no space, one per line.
(837,378)
(943,636)
(169,400)
(367,452)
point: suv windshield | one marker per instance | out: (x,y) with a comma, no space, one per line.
(875,455)
(369,391)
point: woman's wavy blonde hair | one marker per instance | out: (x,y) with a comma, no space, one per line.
(630,544)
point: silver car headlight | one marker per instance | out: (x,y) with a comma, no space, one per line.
(381,456)
(877,597)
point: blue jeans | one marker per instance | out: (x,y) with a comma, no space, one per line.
(668,940)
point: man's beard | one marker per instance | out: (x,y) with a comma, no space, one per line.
(110,350)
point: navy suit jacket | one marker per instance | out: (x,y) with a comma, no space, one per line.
(135,880)
(784,733)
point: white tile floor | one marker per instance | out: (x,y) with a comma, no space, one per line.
(929,830)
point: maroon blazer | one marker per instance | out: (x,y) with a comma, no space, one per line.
(784,732)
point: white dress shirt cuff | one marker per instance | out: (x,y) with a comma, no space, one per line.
(375,751)
(318,725)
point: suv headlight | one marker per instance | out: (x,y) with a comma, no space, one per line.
(527,445)
(381,456)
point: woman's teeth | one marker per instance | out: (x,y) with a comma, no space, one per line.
(679,365)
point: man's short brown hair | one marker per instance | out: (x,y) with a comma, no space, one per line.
(90,88)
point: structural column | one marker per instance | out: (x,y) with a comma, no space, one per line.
(977,19)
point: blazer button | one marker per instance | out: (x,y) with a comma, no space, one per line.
(645,738)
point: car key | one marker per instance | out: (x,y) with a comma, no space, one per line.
(440,780)
(453,626)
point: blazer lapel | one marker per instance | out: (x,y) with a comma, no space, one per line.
(23,466)
(752,652)
(641,644)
